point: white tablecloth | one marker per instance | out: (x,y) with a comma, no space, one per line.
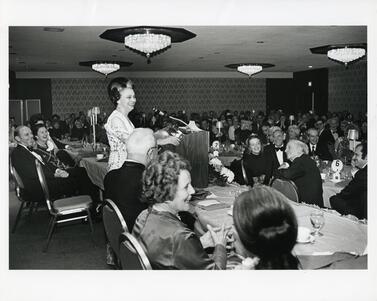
(341,234)
(96,170)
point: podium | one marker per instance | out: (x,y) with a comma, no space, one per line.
(194,148)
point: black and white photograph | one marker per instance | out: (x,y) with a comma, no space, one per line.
(227,141)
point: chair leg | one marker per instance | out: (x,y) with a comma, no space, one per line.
(31,207)
(18,216)
(90,224)
(52,226)
(49,225)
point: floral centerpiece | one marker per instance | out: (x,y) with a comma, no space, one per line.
(218,174)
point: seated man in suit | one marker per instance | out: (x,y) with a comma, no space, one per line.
(275,152)
(303,172)
(353,198)
(316,149)
(60,182)
(124,185)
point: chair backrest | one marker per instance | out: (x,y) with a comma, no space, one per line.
(286,187)
(42,181)
(244,173)
(114,224)
(131,254)
(16,178)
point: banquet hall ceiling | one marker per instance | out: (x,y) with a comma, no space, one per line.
(287,47)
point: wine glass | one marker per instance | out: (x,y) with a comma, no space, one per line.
(318,220)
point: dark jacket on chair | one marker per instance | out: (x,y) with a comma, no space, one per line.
(353,198)
(305,174)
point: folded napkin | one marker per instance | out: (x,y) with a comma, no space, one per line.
(210,205)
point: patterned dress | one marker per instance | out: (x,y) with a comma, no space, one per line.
(118,129)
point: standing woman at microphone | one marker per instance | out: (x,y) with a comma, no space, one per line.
(119,127)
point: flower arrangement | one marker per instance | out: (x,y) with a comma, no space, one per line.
(218,173)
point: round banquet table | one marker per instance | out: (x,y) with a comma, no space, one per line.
(96,170)
(341,234)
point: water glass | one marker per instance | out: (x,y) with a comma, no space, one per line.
(317,219)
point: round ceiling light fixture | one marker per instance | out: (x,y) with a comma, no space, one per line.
(148,40)
(249,68)
(342,53)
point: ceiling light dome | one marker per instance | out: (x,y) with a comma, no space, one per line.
(342,53)
(346,55)
(105,68)
(148,40)
(249,68)
(147,43)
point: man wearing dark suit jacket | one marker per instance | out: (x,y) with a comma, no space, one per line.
(316,149)
(303,172)
(59,182)
(124,185)
(275,152)
(353,198)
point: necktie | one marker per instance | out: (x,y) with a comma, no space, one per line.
(279,148)
(313,148)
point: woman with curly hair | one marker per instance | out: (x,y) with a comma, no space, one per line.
(169,243)
(265,229)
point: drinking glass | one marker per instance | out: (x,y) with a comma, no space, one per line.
(318,220)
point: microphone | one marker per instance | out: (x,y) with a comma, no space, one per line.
(159,112)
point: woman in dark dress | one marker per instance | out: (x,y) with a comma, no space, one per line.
(255,163)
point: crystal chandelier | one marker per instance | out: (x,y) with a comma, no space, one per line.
(346,55)
(105,68)
(147,43)
(250,69)
(148,40)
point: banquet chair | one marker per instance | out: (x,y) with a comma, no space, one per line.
(286,187)
(244,173)
(65,209)
(131,254)
(114,225)
(20,193)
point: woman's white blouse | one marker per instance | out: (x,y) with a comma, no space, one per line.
(118,128)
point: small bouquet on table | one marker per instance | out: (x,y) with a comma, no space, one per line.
(218,174)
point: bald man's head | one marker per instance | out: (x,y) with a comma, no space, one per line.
(23,135)
(139,144)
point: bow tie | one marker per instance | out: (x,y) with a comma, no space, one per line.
(30,148)
(279,148)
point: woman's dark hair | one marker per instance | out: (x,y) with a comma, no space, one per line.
(267,227)
(114,86)
(160,177)
(36,128)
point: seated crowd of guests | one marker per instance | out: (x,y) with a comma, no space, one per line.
(153,190)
